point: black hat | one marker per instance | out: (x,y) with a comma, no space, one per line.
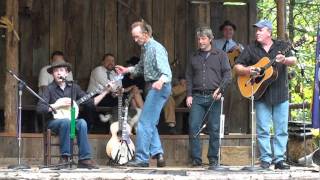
(59,63)
(133,60)
(227,23)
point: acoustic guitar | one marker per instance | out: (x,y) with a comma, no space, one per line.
(64,112)
(120,147)
(257,85)
(232,56)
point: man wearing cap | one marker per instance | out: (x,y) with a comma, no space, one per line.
(44,77)
(59,89)
(208,73)
(273,106)
(227,44)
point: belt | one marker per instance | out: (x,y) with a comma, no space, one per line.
(203,92)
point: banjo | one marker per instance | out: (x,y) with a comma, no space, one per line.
(64,112)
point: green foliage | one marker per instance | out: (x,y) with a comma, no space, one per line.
(306,16)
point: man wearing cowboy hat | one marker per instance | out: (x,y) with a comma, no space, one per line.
(59,89)
(226,43)
(44,77)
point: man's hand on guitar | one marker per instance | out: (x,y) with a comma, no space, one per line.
(253,71)
(280,58)
(216,94)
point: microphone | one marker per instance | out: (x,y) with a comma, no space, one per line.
(65,79)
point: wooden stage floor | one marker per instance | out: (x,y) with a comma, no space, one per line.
(106,172)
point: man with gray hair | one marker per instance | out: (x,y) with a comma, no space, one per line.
(208,72)
(273,106)
(154,66)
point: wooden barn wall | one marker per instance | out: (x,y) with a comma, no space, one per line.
(85,30)
(2,51)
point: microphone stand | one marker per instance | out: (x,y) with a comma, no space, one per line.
(302,72)
(21,85)
(222,118)
(253,133)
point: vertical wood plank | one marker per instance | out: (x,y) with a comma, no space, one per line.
(125,43)
(78,39)
(12,63)
(217,17)
(2,51)
(232,13)
(40,35)
(57,25)
(180,36)
(98,32)
(163,24)
(110,27)
(199,16)
(252,18)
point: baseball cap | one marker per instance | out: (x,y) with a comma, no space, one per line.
(263,23)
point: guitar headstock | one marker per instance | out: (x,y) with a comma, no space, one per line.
(301,41)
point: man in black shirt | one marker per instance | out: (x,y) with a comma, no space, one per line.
(59,89)
(208,72)
(274,104)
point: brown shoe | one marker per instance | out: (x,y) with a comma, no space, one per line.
(87,163)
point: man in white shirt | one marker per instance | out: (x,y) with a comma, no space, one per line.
(44,77)
(226,43)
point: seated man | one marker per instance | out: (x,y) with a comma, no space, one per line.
(60,89)
(44,77)
(178,95)
(101,75)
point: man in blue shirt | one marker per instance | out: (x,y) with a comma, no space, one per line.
(154,65)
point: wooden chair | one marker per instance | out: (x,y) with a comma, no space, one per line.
(49,144)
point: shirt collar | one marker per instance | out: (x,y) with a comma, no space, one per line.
(212,51)
(55,85)
(274,44)
(147,44)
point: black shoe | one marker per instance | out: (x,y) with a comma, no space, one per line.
(196,163)
(281,165)
(87,164)
(265,165)
(213,163)
(160,160)
(136,163)
(172,130)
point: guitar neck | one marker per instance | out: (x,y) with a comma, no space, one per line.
(288,48)
(88,96)
(120,117)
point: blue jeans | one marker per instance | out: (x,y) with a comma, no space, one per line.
(200,104)
(62,128)
(148,140)
(278,114)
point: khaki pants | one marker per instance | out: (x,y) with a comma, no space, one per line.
(177,97)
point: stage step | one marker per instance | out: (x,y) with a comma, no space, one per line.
(235,149)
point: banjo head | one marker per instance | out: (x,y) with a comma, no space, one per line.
(65,111)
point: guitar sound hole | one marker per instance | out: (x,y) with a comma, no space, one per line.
(119,133)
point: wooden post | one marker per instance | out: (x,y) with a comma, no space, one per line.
(281,19)
(10,87)
(199,15)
